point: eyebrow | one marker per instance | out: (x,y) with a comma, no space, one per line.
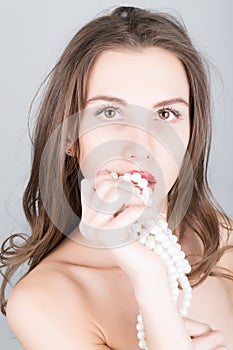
(124,103)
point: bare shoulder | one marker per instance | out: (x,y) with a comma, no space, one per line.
(48,309)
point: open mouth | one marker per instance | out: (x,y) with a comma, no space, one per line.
(136,177)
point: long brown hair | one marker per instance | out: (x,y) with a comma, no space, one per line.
(124,28)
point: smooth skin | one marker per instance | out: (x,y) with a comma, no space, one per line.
(54,306)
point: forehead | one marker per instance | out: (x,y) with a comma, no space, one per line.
(150,71)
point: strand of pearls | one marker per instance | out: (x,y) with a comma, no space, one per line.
(160,239)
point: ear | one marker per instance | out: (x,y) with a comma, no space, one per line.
(70,151)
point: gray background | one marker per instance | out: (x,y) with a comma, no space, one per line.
(34,33)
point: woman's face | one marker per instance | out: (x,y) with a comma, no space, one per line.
(136,115)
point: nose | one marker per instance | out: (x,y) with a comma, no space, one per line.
(137,145)
(133,150)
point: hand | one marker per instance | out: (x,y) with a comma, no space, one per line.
(97,197)
(203,336)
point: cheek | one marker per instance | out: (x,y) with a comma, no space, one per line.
(96,136)
(91,149)
(170,153)
(168,169)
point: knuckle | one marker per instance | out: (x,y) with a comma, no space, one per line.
(206,327)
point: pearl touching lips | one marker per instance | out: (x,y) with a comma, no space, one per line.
(143,187)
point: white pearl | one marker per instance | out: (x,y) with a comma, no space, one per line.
(139,327)
(147,191)
(183,312)
(178,246)
(156,229)
(183,279)
(179,263)
(187,289)
(165,256)
(176,258)
(144,231)
(143,183)
(187,269)
(159,237)
(166,243)
(174,284)
(169,232)
(135,227)
(150,243)
(135,177)
(170,251)
(142,344)
(141,335)
(142,239)
(180,270)
(174,238)
(172,270)
(138,191)
(114,175)
(172,277)
(186,303)
(182,254)
(163,224)
(127,177)
(185,284)
(170,263)
(175,292)
(188,296)
(174,297)
(158,249)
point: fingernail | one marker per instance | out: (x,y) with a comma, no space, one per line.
(103,172)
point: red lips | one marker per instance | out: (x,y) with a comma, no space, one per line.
(144,174)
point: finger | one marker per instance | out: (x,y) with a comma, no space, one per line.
(118,231)
(132,214)
(113,191)
(196,328)
(94,207)
(211,340)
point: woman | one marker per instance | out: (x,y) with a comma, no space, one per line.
(130,94)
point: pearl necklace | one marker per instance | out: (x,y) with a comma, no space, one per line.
(160,239)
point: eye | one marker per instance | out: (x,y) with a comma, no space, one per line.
(168,114)
(108,112)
